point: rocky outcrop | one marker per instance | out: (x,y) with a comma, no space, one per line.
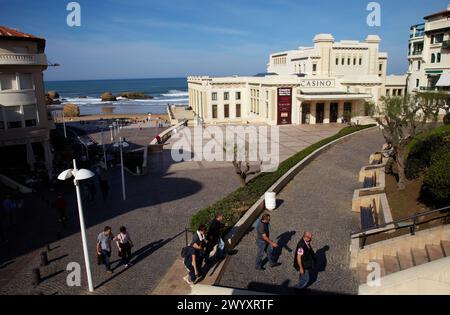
(108,97)
(136,96)
(71,110)
(52,98)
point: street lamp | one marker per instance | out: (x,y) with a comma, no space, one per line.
(122,144)
(64,125)
(104,151)
(111,129)
(79,175)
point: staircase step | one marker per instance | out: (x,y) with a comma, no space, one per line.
(420,256)
(405,260)
(434,252)
(391,264)
(446,247)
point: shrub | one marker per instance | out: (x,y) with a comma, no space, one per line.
(447,119)
(71,110)
(424,149)
(238,202)
(436,186)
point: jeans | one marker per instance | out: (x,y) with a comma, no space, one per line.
(303,280)
(106,255)
(210,247)
(188,265)
(263,247)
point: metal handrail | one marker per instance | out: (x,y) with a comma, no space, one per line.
(363,232)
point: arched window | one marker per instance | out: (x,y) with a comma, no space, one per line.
(433,58)
(438,58)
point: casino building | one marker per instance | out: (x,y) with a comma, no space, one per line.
(329,82)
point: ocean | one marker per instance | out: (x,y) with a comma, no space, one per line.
(86,94)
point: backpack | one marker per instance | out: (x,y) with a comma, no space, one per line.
(184,251)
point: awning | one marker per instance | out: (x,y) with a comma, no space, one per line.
(444,80)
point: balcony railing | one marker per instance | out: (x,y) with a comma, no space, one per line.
(23,59)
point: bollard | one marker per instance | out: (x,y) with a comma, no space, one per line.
(44,259)
(36,279)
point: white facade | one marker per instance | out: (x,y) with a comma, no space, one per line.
(24,122)
(429,54)
(330,81)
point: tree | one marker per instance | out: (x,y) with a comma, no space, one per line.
(242,168)
(401,118)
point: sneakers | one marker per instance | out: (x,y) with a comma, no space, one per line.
(110,271)
(259,268)
(188,281)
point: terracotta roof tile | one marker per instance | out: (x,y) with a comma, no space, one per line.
(9,32)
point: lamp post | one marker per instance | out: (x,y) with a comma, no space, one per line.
(104,151)
(64,125)
(79,175)
(121,144)
(111,129)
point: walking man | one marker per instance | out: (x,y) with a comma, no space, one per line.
(305,259)
(264,243)
(199,244)
(214,237)
(61,208)
(190,262)
(104,247)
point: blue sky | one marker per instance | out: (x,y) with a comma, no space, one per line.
(176,38)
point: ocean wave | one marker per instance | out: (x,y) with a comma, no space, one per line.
(89,101)
(176,93)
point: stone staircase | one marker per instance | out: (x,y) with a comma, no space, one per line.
(406,260)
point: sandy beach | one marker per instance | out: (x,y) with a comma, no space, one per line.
(133,117)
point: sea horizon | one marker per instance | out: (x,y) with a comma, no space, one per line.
(86,94)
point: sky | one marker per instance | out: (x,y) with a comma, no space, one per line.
(121,39)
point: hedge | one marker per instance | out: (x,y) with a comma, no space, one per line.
(423,148)
(436,185)
(234,205)
(447,119)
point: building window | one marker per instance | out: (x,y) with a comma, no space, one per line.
(314,67)
(388,92)
(238,95)
(360,61)
(30,115)
(214,111)
(437,39)
(438,58)
(337,61)
(267,95)
(380,67)
(214,96)
(25,81)
(13,117)
(226,110)
(417,83)
(226,96)
(399,92)
(349,61)
(343,61)
(433,58)
(8,81)
(238,110)
(354,61)
(419,64)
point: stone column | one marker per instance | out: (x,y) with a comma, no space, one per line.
(48,155)
(327,113)
(30,155)
(340,111)
(312,115)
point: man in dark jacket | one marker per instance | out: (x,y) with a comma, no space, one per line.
(304,260)
(214,237)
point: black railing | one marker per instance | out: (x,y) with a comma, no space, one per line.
(382,228)
(186,232)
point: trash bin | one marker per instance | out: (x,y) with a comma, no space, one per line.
(270,200)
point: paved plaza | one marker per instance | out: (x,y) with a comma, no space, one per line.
(156,212)
(317,200)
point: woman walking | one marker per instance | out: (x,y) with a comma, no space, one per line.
(124,243)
